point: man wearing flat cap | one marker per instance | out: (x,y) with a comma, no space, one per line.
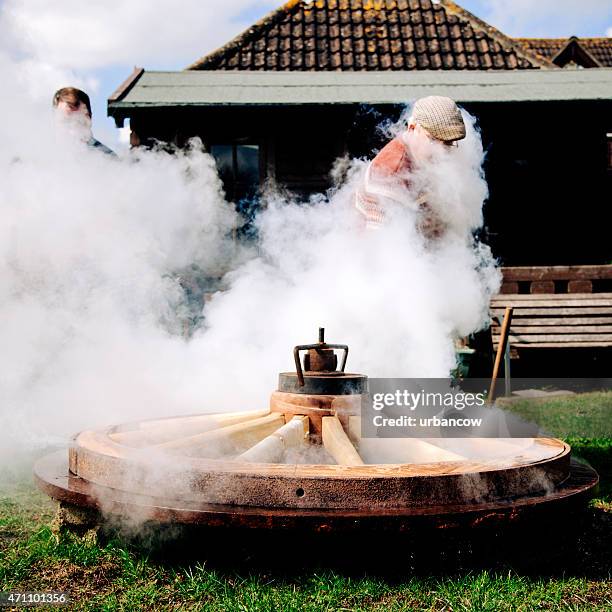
(436,121)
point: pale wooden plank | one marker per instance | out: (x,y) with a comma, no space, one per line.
(337,443)
(165,430)
(230,440)
(272,448)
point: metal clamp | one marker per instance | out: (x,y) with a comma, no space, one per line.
(320,345)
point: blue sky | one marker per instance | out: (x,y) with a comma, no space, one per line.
(116,35)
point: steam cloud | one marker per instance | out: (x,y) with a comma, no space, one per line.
(93,249)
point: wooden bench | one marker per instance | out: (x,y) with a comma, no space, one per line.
(545,316)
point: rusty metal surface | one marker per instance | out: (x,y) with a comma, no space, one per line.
(52,477)
(320,358)
(323,383)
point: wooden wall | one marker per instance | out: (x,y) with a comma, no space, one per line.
(546,164)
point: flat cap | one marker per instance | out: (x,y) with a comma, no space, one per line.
(440,116)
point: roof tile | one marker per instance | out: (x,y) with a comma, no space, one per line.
(472,61)
(448,61)
(375,35)
(498,61)
(485,62)
(511,62)
(435,61)
(598,48)
(460,61)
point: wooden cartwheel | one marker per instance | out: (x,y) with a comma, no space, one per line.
(301,464)
(114,471)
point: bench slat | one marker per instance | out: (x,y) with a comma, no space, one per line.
(539,321)
(561,329)
(555,303)
(561,345)
(536,338)
(504,298)
(566,310)
(550,320)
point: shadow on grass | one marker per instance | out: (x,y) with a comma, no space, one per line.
(555,544)
(577,545)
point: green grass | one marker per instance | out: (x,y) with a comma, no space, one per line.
(120,575)
(584,421)
(111,577)
(587,415)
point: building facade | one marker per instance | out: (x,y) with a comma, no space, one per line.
(312,81)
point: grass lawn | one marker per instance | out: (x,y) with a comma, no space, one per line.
(120,575)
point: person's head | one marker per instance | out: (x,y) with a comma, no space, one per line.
(438,119)
(73,106)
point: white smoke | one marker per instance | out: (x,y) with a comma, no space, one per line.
(91,253)
(92,250)
(397,301)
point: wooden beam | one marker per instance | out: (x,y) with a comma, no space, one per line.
(501,347)
(127,85)
(337,443)
(159,431)
(272,448)
(542,287)
(580,286)
(529,273)
(230,440)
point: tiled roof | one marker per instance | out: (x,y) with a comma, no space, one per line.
(371,35)
(599,48)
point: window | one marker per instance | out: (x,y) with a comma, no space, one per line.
(238,166)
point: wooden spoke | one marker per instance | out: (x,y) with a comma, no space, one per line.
(480,448)
(354,429)
(405,450)
(230,440)
(272,448)
(337,443)
(165,430)
(392,450)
